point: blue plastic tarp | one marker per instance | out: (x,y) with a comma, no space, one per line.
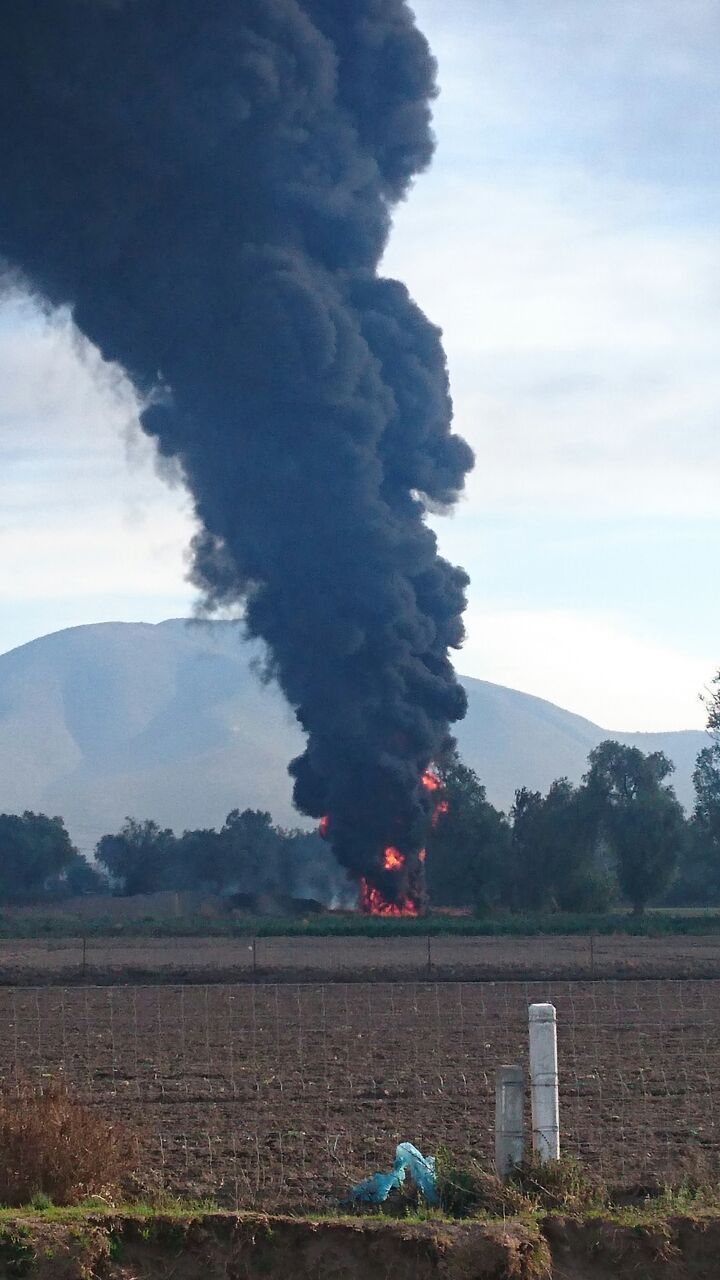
(408,1160)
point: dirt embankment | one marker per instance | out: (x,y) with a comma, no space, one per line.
(672,1249)
(227,1247)
(249,1247)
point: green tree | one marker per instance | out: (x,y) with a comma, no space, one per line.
(712,706)
(556,859)
(244,855)
(529,888)
(35,852)
(642,820)
(250,848)
(140,857)
(706,779)
(699,880)
(467,850)
(199,861)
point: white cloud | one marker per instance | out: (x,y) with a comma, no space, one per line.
(83,514)
(582,341)
(566,241)
(591,664)
(630,86)
(62,558)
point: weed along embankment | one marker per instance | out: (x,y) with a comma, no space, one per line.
(249,1247)
(141,1246)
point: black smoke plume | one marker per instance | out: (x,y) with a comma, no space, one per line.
(209,184)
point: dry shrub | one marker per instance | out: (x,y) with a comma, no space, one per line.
(470,1189)
(563,1185)
(52,1145)
(559,1185)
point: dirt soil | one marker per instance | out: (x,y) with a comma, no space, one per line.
(262,1248)
(218,1248)
(285,1096)
(35,961)
(675,1249)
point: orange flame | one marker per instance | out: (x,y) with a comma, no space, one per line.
(441,807)
(393,860)
(372,903)
(430,781)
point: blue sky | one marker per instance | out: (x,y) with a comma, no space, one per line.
(566,240)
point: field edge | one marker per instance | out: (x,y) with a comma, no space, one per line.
(145,1243)
(37,924)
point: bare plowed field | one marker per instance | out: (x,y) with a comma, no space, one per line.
(283,1095)
(306,959)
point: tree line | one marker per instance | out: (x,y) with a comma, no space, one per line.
(620,836)
(249,855)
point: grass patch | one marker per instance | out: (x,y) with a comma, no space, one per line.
(534,1194)
(685,1199)
(470,1190)
(559,1186)
(655,923)
(99,1206)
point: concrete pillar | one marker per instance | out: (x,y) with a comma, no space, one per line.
(509,1119)
(544,1082)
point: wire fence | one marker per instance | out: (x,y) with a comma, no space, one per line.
(347,959)
(285,1095)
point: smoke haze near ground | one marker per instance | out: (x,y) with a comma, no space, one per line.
(209,185)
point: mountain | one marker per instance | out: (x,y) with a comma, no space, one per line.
(173,722)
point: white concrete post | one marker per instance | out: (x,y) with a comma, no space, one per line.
(509,1119)
(544,1082)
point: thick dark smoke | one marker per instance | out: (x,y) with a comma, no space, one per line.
(209,184)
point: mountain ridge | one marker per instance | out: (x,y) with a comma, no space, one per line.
(170,721)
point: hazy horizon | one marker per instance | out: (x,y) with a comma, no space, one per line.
(465,675)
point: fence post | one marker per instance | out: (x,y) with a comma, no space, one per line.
(544,1082)
(429,957)
(83,967)
(509,1119)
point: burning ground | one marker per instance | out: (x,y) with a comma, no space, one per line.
(395,885)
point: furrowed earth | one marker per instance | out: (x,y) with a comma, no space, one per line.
(282,1095)
(126,958)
